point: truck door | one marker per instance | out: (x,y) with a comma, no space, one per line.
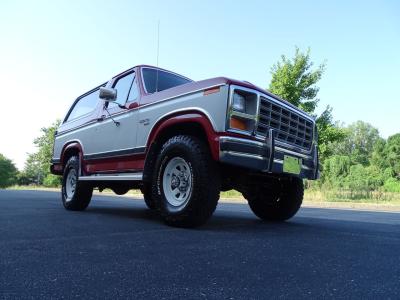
(114,139)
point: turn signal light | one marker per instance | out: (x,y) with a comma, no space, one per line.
(237,124)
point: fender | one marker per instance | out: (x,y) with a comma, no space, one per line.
(73,145)
(190,116)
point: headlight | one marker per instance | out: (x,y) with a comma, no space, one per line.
(239,103)
(242,114)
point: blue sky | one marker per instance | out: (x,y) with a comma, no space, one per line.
(52,51)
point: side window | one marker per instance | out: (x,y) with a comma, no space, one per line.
(123,86)
(157,80)
(134,92)
(85,105)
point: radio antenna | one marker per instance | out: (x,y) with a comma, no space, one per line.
(158,52)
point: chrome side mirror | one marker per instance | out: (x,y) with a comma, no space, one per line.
(108,94)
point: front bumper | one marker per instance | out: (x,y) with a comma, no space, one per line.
(266,156)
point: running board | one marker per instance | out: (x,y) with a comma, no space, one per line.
(113,177)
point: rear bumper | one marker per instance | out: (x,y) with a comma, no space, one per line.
(266,156)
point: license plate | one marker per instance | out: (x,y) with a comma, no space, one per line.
(291,165)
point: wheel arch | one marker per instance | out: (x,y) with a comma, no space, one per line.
(192,122)
(72,148)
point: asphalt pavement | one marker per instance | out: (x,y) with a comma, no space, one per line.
(119,249)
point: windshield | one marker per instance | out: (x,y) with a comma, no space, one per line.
(163,80)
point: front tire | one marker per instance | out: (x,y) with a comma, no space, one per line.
(75,195)
(279,202)
(186,182)
(148,197)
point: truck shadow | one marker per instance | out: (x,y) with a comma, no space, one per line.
(238,217)
(222,220)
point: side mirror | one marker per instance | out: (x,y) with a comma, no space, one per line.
(108,94)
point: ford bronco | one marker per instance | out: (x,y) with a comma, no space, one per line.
(181,142)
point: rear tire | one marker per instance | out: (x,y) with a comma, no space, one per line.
(75,195)
(186,182)
(279,203)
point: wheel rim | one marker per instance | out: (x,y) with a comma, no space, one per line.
(70,184)
(177,182)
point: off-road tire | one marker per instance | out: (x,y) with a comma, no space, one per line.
(279,203)
(80,198)
(148,197)
(204,181)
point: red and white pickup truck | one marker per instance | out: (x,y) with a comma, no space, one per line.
(182,142)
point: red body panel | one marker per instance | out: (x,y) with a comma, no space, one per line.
(129,163)
(188,117)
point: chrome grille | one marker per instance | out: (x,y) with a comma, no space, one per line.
(289,126)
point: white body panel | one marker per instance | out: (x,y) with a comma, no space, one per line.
(102,136)
(136,125)
(214,106)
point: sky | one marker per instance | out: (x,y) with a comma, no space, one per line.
(53,51)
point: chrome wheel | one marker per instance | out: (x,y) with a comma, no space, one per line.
(70,184)
(177,182)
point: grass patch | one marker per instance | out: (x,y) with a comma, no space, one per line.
(376,197)
(310,195)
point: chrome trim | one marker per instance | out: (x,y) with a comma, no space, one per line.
(260,144)
(242,132)
(294,111)
(242,115)
(244,141)
(173,73)
(257,117)
(242,155)
(271,142)
(113,177)
(294,148)
(292,108)
(111,151)
(230,112)
(292,152)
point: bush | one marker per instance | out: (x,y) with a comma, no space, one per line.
(392,185)
(52,181)
(8,172)
(335,169)
(362,178)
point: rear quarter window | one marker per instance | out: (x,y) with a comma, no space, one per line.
(156,80)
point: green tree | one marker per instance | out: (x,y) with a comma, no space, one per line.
(329,133)
(363,178)
(335,169)
(386,155)
(358,143)
(37,165)
(8,172)
(295,81)
(392,153)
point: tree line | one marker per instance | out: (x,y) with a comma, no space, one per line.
(353,157)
